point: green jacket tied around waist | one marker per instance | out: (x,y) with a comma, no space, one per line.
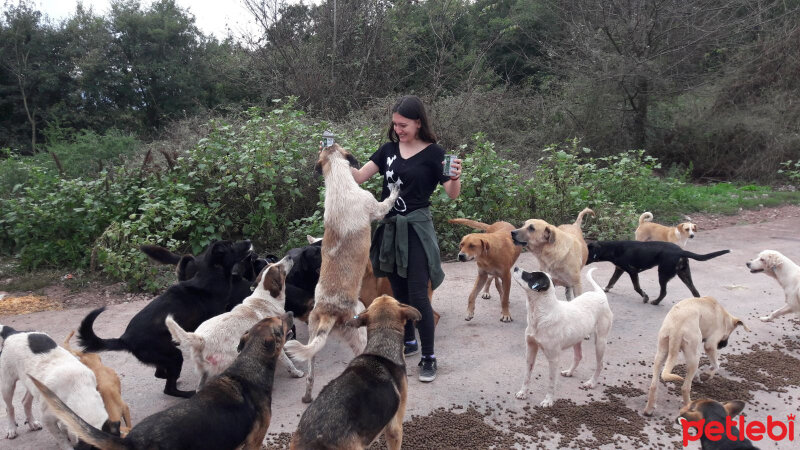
(389,249)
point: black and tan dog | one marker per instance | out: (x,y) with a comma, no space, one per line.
(232,411)
(369,397)
(707,411)
(632,257)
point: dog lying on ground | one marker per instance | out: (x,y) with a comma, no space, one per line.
(651,231)
(786,273)
(349,210)
(495,254)
(554,325)
(243,273)
(706,410)
(232,411)
(561,251)
(190,302)
(632,257)
(213,343)
(108,384)
(369,397)
(24,353)
(689,323)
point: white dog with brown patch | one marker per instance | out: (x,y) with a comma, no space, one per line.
(214,343)
(349,210)
(651,231)
(555,325)
(786,273)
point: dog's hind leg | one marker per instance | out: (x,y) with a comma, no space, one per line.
(786,309)
(8,396)
(685,275)
(172,362)
(711,352)
(658,363)
(577,355)
(692,362)
(530,360)
(309,380)
(600,338)
(27,405)
(356,338)
(61,436)
(617,273)
(294,371)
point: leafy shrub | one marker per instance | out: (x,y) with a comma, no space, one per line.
(791,170)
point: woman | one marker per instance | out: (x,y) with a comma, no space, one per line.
(404,247)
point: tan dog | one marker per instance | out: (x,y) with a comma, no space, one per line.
(689,323)
(495,254)
(561,251)
(349,210)
(373,287)
(374,380)
(786,273)
(108,384)
(651,231)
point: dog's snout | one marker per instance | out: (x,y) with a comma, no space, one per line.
(462,257)
(747,264)
(691,236)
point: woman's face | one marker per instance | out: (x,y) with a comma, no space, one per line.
(407,129)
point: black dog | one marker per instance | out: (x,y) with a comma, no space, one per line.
(301,281)
(190,303)
(231,411)
(244,272)
(633,257)
(707,410)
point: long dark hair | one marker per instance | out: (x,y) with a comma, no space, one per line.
(411,107)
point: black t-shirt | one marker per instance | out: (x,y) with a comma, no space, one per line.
(417,176)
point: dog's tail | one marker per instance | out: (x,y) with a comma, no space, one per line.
(597,287)
(85,431)
(90,342)
(66,345)
(182,337)
(301,352)
(705,257)
(672,357)
(579,220)
(470,223)
(646,217)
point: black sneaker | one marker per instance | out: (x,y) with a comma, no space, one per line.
(410,348)
(427,372)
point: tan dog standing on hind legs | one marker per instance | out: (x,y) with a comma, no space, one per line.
(349,210)
(561,250)
(554,326)
(689,323)
(495,254)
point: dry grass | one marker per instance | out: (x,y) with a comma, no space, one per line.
(27,304)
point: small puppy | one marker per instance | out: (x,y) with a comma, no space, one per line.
(634,257)
(349,211)
(108,384)
(495,254)
(707,410)
(651,231)
(369,397)
(561,251)
(24,353)
(689,323)
(233,411)
(213,343)
(786,273)
(554,325)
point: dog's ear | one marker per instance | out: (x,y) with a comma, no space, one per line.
(737,322)
(410,313)
(485,246)
(549,235)
(694,228)
(160,254)
(186,268)
(288,319)
(359,320)
(733,407)
(111,427)
(243,340)
(353,161)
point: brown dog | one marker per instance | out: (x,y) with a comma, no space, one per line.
(651,231)
(232,411)
(108,384)
(369,397)
(349,211)
(689,323)
(561,251)
(495,254)
(373,287)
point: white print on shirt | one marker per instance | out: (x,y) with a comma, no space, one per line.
(399,204)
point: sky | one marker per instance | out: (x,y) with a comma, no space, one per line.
(211,16)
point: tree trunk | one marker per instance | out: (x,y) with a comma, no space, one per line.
(640,112)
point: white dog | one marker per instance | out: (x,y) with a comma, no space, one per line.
(24,353)
(213,344)
(786,273)
(555,325)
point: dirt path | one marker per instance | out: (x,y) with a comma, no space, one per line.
(471,404)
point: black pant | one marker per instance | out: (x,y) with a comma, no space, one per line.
(414,291)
